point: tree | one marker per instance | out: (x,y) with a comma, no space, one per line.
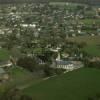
(81,45)
(29,63)
(48,71)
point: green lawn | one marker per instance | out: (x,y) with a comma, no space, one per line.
(93,44)
(77,85)
(91,21)
(19,78)
(93,50)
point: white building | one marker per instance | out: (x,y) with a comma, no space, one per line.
(28,25)
(68,65)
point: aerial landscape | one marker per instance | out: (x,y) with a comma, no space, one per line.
(49,50)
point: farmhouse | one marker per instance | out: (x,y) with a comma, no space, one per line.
(68,65)
(65,64)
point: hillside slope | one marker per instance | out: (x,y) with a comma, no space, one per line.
(76,85)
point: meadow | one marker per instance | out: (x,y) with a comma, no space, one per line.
(76,85)
(4,54)
(92,44)
(90,21)
(18,78)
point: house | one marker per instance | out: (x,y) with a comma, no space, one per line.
(28,25)
(68,65)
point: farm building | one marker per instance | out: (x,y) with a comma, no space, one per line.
(68,65)
(65,64)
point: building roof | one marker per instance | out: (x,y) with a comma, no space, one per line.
(61,62)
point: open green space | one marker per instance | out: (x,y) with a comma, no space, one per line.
(18,78)
(93,44)
(93,50)
(4,54)
(91,21)
(76,85)
(18,72)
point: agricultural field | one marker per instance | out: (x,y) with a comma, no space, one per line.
(93,44)
(76,85)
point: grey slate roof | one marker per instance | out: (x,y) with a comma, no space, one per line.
(61,62)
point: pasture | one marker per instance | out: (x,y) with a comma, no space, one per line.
(76,85)
(93,44)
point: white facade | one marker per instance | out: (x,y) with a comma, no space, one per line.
(65,66)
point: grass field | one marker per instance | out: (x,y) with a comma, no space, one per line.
(93,44)
(19,78)
(91,21)
(16,76)
(77,85)
(4,54)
